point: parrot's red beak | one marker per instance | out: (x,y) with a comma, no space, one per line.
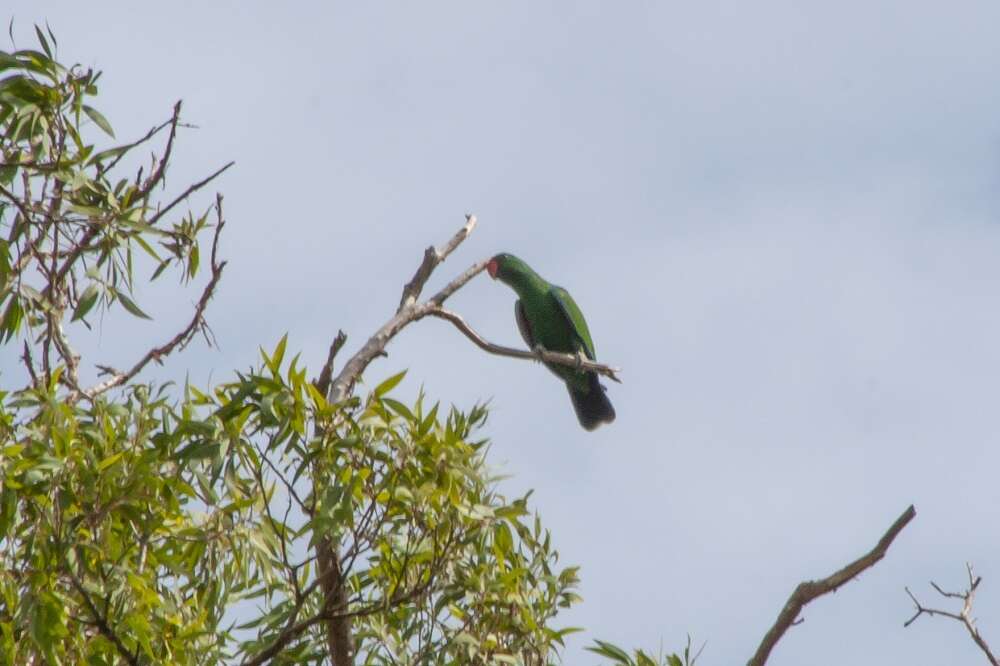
(492,267)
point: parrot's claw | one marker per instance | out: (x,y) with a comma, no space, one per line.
(539,352)
(580,358)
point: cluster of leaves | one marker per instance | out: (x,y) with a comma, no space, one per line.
(68,224)
(149,524)
(437,565)
(620,657)
(102,554)
(133,528)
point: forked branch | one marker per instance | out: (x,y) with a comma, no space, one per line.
(964,616)
(410,310)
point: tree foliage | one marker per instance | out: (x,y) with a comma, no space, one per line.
(270,518)
(152,523)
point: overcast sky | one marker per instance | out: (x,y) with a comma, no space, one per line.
(781,219)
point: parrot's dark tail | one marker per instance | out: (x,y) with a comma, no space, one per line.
(592,407)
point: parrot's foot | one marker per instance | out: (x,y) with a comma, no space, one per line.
(539,352)
(580,358)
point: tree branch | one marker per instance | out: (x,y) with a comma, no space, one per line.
(338,629)
(965,616)
(544,355)
(322,383)
(408,312)
(188,192)
(433,257)
(173,122)
(339,639)
(184,336)
(101,621)
(810,590)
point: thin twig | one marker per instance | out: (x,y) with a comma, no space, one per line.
(809,590)
(544,355)
(433,257)
(188,192)
(156,174)
(124,149)
(184,336)
(29,364)
(965,616)
(343,384)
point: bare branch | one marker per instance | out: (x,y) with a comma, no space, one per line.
(433,257)
(545,355)
(809,590)
(184,336)
(456,284)
(322,383)
(122,150)
(188,192)
(409,312)
(156,174)
(965,616)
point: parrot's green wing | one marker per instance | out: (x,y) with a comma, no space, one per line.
(523,325)
(571,311)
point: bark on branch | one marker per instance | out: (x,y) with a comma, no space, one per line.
(809,590)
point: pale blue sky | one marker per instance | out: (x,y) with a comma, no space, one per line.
(781,219)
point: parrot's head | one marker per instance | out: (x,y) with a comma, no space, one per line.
(505,266)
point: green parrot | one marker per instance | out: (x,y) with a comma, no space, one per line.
(547,316)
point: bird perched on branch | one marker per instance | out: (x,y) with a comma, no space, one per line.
(549,318)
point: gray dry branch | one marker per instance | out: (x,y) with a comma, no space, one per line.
(810,590)
(537,355)
(340,387)
(964,616)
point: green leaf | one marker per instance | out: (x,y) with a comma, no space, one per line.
(8,61)
(11,321)
(44,42)
(643,659)
(129,304)
(611,651)
(87,301)
(109,153)
(399,408)
(159,269)
(279,354)
(109,461)
(99,119)
(389,384)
